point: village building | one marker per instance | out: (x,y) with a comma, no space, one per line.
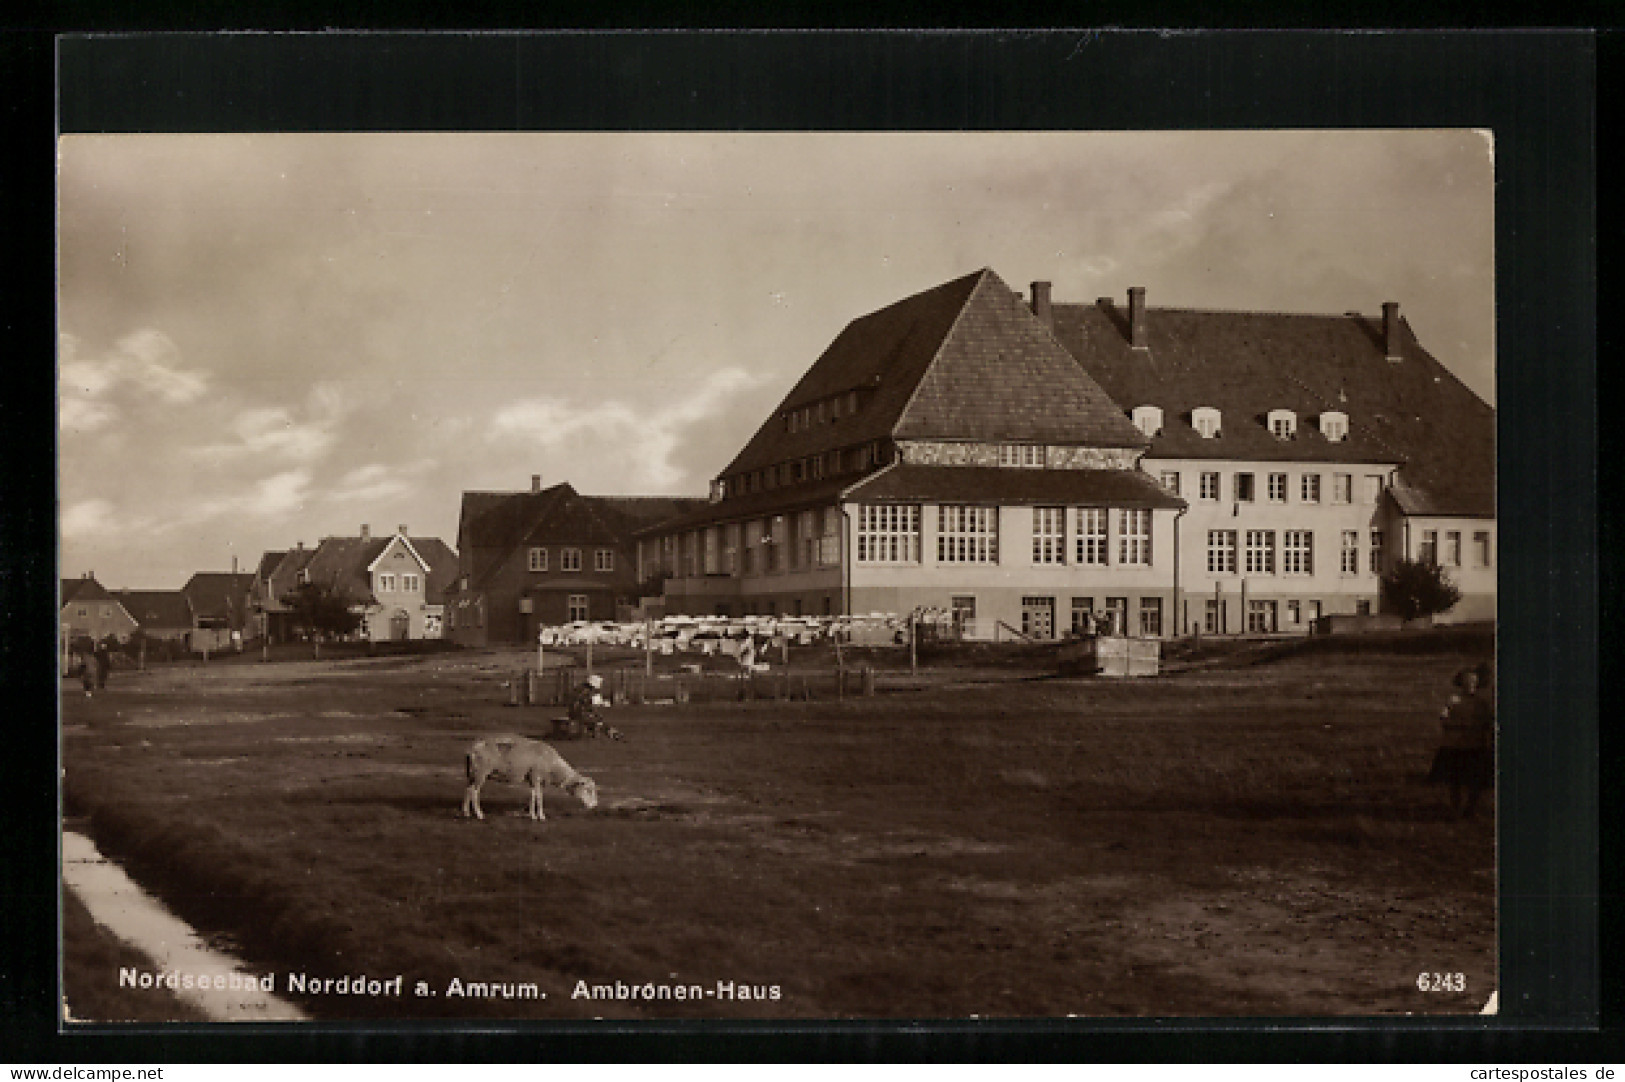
(278,574)
(546,557)
(222,605)
(161,615)
(397,584)
(1022,463)
(88,610)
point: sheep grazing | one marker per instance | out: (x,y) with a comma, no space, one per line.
(523,761)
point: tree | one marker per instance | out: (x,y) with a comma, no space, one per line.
(1416,588)
(320,610)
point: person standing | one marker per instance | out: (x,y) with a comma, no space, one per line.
(104,663)
(1466,757)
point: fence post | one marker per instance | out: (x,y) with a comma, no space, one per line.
(868,681)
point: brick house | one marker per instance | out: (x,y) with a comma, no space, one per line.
(1021,463)
(545,557)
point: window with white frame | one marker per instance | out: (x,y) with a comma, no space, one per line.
(1049,535)
(1309,488)
(889,533)
(1244,488)
(1428,551)
(604,559)
(1277,488)
(409,583)
(1090,532)
(1260,552)
(1205,419)
(1170,482)
(967,534)
(1298,552)
(1342,488)
(1082,607)
(1350,561)
(1148,419)
(1151,617)
(1021,454)
(1209,487)
(570,560)
(1334,425)
(386,583)
(1481,547)
(730,549)
(1373,487)
(1452,548)
(711,559)
(829,546)
(538,559)
(1221,552)
(1376,552)
(775,543)
(807,537)
(578,607)
(1283,424)
(1134,536)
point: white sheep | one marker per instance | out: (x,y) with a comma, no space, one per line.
(522,761)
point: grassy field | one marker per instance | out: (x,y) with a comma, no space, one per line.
(1248,836)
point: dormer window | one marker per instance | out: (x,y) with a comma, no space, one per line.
(1334,425)
(1148,419)
(1205,419)
(1283,424)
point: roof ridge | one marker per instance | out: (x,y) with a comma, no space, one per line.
(1229,311)
(936,353)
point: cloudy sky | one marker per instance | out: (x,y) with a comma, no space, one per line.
(275,338)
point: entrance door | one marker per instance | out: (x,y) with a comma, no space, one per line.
(1038,617)
(400,625)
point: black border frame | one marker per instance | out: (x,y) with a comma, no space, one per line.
(1535,89)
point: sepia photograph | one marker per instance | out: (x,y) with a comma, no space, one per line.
(557,576)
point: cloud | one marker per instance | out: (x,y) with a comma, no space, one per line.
(276,497)
(82,415)
(614,438)
(88,520)
(275,431)
(375,482)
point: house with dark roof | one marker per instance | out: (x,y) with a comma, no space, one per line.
(222,605)
(1023,463)
(278,574)
(161,614)
(547,556)
(397,584)
(87,609)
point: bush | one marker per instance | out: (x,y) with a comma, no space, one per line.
(1414,589)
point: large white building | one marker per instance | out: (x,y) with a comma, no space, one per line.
(1021,461)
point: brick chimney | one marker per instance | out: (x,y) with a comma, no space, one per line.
(1041,307)
(535,482)
(366,532)
(401,529)
(1390,329)
(1136,318)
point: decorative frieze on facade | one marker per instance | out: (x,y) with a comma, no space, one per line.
(1056,456)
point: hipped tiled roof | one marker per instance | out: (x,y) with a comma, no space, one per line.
(990,484)
(157,609)
(965,360)
(218,594)
(1411,411)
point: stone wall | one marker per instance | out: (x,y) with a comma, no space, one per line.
(1056,457)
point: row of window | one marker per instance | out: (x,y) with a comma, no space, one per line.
(760,546)
(824,410)
(1243,487)
(1282,423)
(1267,616)
(807,468)
(1297,552)
(388,582)
(1428,551)
(969,534)
(570,560)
